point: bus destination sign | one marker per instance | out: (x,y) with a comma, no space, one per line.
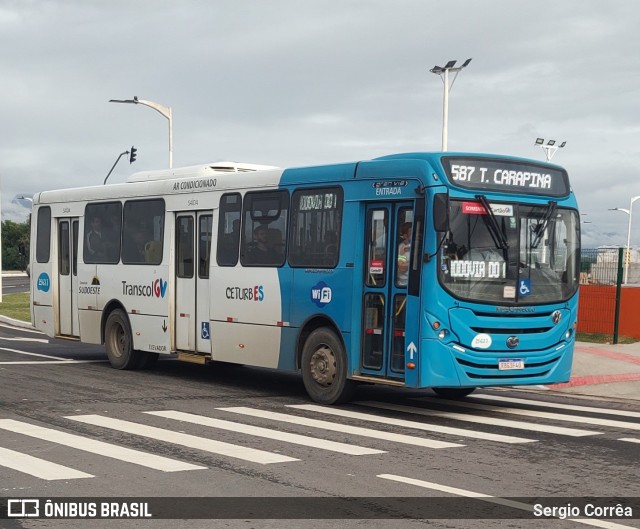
(506,176)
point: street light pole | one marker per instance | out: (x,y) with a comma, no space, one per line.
(550,148)
(628,254)
(165,111)
(443,72)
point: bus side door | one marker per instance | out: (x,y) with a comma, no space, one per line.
(68,276)
(384,303)
(192,255)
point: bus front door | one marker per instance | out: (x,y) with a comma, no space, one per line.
(386,261)
(68,276)
(192,253)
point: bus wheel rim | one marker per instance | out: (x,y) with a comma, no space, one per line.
(119,340)
(323,366)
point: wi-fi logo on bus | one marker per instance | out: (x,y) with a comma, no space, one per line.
(321,294)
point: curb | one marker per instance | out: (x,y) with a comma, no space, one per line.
(16,323)
(14,274)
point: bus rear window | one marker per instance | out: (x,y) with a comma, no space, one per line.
(43,242)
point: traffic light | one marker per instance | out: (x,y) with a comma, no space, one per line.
(133,154)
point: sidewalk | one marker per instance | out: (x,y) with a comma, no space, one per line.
(604,370)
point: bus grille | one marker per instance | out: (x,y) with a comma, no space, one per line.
(540,343)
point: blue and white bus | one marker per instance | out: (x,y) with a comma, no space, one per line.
(448,271)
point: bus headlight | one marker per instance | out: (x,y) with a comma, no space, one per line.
(443,334)
(568,334)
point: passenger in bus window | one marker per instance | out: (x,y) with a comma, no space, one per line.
(135,244)
(404,249)
(263,250)
(94,241)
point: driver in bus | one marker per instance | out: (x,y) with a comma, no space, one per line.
(95,242)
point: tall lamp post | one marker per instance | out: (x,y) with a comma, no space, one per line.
(550,147)
(165,111)
(628,254)
(444,73)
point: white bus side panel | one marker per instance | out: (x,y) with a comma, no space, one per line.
(90,331)
(150,333)
(43,294)
(246,313)
(241,343)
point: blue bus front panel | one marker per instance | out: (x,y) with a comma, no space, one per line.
(485,347)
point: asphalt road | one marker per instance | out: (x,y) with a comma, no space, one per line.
(189,431)
(15,284)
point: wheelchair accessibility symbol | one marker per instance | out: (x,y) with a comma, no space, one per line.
(204,331)
(525,287)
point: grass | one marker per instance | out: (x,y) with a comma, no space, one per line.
(16,306)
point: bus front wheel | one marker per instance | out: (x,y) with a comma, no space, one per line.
(119,342)
(324,368)
(453,393)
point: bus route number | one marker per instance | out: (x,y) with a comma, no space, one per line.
(464,173)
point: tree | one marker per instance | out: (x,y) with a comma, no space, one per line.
(15,244)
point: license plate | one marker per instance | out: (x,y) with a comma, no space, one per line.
(510,363)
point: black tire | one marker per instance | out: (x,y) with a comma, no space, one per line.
(453,393)
(119,342)
(324,368)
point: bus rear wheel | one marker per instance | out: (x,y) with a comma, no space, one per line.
(453,393)
(119,342)
(324,368)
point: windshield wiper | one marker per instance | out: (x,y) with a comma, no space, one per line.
(541,227)
(492,223)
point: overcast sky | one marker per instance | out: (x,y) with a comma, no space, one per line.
(302,82)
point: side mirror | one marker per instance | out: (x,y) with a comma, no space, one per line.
(441,212)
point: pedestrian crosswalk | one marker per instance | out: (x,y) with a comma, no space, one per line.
(283,432)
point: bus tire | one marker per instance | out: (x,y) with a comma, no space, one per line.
(453,393)
(324,368)
(119,342)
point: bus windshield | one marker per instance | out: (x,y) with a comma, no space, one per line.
(510,253)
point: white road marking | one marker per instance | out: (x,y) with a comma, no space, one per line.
(49,362)
(21,339)
(604,524)
(37,467)
(630,440)
(558,405)
(548,415)
(303,440)
(483,419)
(191,441)
(413,424)
(28,353)
(97,447)
(21,329)
(334,427)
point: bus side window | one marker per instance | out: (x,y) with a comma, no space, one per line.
(316,223)
(264,234)
(101,239)
(229,229)
(143,232)
(204,242)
